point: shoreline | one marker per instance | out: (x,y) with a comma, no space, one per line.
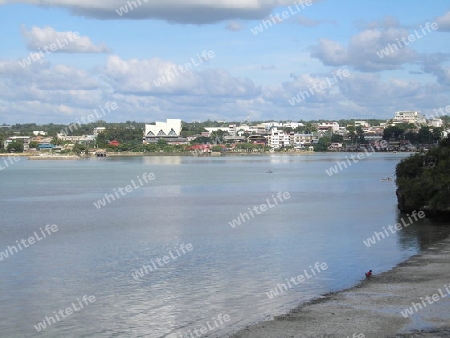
(374,307)
(188,154)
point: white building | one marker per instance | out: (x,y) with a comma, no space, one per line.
(413,117)
(334,126)
(75,139)
(362,124)
(278,139)
(302,140)
(269,125)
(99,130)
(172,127)
(24,139)
(293,125)
(169,131)
(436,123)
(211,129)
(39,132)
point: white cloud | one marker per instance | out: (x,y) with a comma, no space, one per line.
(444,22)
(48,38)
(179,11)
(268,67)
(307,22)
(304,21)
(143,76)
(434,64)
(235,26)
(363,48)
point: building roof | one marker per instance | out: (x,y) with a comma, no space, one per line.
(172,127)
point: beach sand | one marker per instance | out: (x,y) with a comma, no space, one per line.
(373,307)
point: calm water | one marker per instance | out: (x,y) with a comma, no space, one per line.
(190,201)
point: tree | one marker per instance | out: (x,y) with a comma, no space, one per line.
(309,128)
(423,182)
(437,134)
(79,148)
(336,138)
(351,130)
(162,142)
(33,144)
(217,136)
(202,140)
(15,146)
(360,133)
(56,141)
(102,140)
(425,135)
(323,144)
(393,132)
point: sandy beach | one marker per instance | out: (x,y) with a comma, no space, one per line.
(374,307)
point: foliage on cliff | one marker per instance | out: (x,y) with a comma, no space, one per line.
(423,181)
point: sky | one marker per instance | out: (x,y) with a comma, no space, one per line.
(222,60)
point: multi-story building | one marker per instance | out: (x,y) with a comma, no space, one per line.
(413,117)
(293,125)
(98,130)
(278,138)
(333,126)
(24,139)
(303,140)
(436,123)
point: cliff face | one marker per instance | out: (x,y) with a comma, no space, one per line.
(423,182)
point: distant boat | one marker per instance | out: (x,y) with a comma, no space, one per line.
(388,179)
(269,171)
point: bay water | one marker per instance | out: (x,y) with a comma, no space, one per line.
(166,256)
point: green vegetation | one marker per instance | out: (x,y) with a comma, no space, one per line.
(15,146)
(425,135)
(129,135)
(423,182)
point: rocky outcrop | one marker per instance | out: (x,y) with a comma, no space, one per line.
(423,182)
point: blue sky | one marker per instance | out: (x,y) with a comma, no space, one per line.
(128,58)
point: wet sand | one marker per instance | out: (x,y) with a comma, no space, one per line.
(373,307)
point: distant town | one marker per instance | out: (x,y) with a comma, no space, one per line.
(405,131)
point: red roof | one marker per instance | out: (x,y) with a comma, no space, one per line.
(114,143)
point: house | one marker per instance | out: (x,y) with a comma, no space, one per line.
(335,146)
(325,126)
(302,140)
(99,130)
(257,139)
(24,139)
(45,146)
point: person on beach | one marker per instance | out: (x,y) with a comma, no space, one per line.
(369,274)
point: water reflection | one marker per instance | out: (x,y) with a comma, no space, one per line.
(421,233)
(158,160)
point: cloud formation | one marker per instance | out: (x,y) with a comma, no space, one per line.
(268,67)
(66,42)
(177,11)
(235,26)
(444,22)
(362,52)
(307,22)
(155,77)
